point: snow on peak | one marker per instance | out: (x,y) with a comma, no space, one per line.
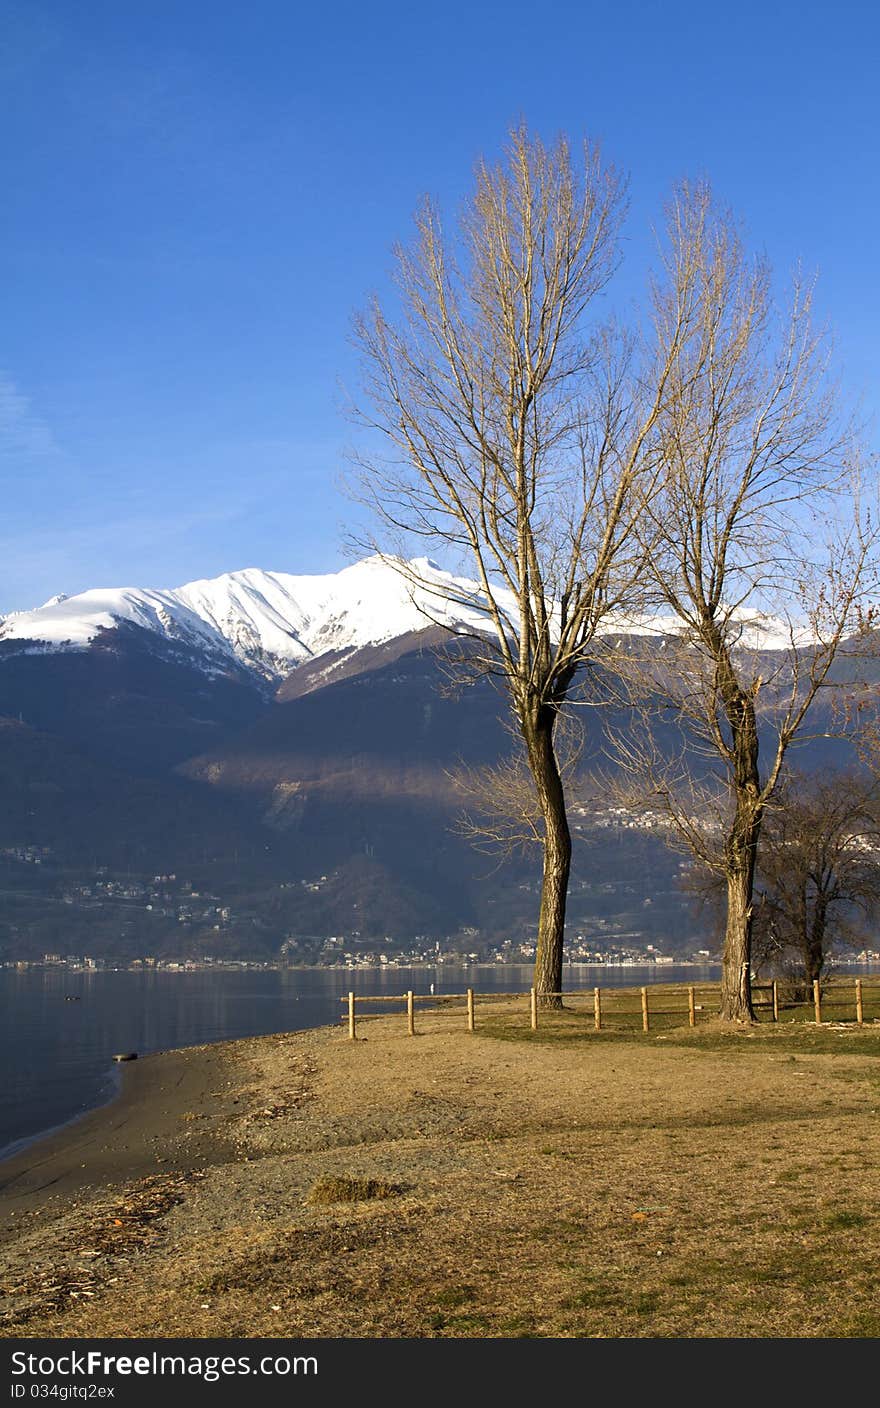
(273,621)
(285,619)
(269,621)
(74,621)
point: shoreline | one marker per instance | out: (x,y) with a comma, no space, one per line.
(96,1080)
(130,1135)
(495,1184)
(20,1145)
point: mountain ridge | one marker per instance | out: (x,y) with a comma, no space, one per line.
(287,746)
(270,622)
(274,623)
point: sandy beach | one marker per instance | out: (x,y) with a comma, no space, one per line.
(131,1137)
(495,1184)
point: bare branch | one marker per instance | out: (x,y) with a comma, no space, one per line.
(753,457)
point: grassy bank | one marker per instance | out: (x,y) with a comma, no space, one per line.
(502,1183)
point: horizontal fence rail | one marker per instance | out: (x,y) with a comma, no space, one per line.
(615,1008)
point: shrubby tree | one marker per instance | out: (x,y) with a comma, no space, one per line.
(818,878)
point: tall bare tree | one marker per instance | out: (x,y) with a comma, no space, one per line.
(757,535)
(513,433)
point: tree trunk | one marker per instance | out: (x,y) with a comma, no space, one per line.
(538,735)
(803,987)
(736,980)
(814,942)
(741,847)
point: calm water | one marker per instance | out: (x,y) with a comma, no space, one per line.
(56,1056)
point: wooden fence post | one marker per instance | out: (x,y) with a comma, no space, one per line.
(410,1014)
(692,1008)
(597,1009)
(533,1000)
(351,1016)
(470,1009)
(775,1001)
(817,1002)
(860,1014)
(645,1023)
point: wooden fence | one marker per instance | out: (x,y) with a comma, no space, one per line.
(657,1003)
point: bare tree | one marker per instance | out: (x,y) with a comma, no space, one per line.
(757,541)
(501,813)
(513,433)
(817,878)
(818,869)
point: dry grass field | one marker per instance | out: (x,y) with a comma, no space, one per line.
(504,1183)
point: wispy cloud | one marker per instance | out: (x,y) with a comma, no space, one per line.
(107,552)
(23,434)
(68,526)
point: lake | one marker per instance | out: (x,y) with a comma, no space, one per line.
(60,1029)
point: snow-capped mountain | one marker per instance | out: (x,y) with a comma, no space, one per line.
(269,621)
(258,730)
(272,622)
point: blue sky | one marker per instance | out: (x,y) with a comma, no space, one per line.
(197,196)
